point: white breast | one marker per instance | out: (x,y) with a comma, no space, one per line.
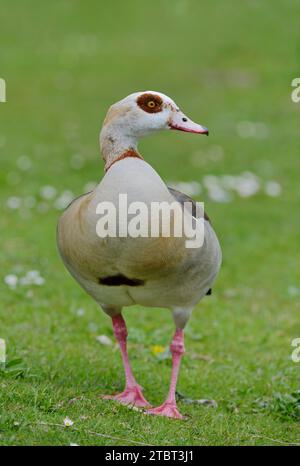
(133,177)
(173,274)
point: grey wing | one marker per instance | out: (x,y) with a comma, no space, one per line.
(75,199)
(182,198)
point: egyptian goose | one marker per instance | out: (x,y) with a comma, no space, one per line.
(151,271)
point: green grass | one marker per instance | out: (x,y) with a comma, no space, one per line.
(65,63)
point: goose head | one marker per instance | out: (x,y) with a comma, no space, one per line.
(138,115)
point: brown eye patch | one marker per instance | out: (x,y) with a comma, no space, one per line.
(150,103)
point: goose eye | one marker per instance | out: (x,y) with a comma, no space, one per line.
(151,104)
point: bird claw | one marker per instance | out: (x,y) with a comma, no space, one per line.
(130,396)
(166,409)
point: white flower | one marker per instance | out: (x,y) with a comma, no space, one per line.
(13,202)
(32,277)
(48,192)
(80,312)
(64,200)
(104,340)
(134,408)
(24,163)
(218,194)
(11,280)
(68,422)
(293,290)
(273,189)
(247,184)
(39,281)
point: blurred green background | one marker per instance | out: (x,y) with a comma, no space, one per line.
(229,66)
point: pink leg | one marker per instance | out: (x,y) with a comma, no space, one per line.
(132,395)
(169,408)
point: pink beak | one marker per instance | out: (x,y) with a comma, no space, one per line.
(182,123)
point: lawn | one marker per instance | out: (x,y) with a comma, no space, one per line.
(229,65)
